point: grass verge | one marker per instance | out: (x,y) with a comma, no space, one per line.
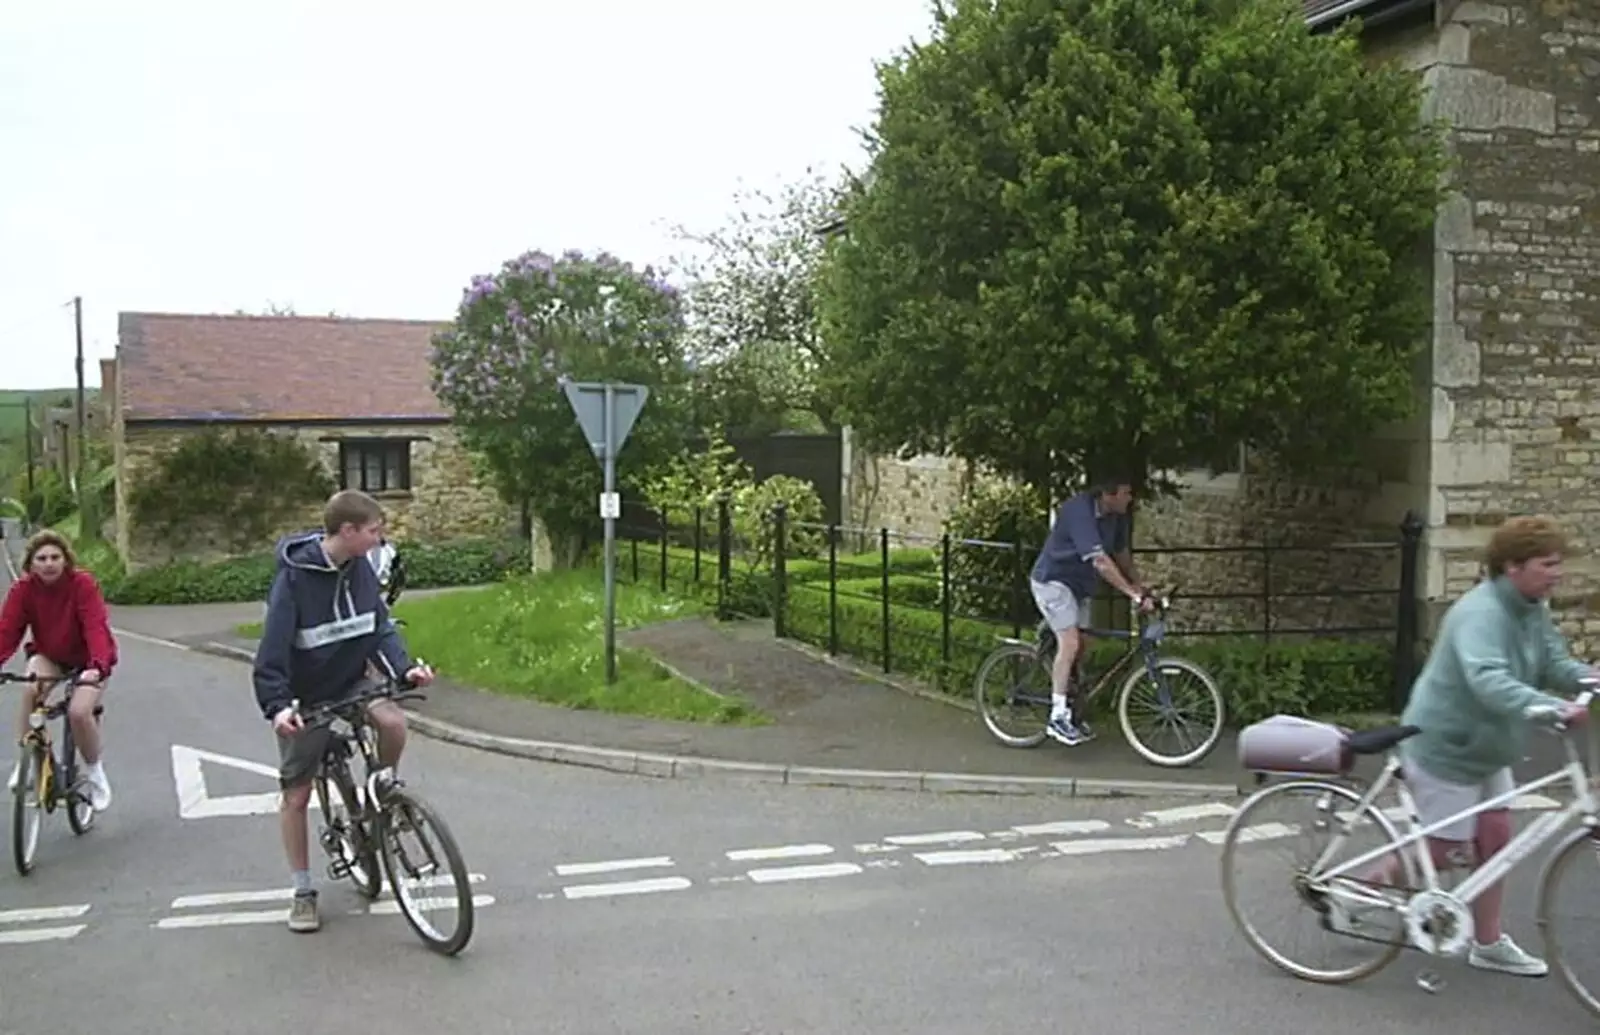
(543,637)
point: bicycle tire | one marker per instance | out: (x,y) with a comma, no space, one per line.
(1003,653)
(399,800)
(1230,842)
(26,822)
(363,872)
(1150,754)
(80,824)
(1576,843)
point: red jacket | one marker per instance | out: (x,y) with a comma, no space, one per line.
(68,619)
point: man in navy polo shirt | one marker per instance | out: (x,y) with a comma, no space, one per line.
(1090,540)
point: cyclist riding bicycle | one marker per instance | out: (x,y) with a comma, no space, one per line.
(1090,540)
(1496,646)
(62,606)
(327,632)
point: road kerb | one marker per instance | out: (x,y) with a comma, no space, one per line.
(640,763)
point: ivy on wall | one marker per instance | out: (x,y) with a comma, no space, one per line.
(237,484)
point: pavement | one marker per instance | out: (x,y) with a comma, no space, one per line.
(613,904)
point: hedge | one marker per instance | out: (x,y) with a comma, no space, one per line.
(460,562)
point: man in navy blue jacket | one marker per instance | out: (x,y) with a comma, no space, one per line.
(326,634)
(1090,540)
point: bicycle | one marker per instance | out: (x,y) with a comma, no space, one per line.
(363,823)
(38,789)
(1436,921)
(1036,659)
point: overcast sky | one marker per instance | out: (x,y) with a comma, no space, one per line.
(198,157)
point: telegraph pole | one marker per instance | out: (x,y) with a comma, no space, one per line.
(77,320)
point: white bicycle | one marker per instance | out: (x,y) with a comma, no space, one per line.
(1435,920)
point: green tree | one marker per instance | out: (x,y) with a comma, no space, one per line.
(751,309)
(1133,234)
(517,334)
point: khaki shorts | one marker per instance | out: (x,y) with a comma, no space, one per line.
(1060,607)
(300,755)
(1440,799)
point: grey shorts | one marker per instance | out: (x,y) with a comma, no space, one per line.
(1440,799)
(1060,607)
(300,755)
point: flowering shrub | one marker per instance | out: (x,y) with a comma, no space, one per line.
(518,333)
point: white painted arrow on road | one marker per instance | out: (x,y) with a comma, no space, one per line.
(195,802)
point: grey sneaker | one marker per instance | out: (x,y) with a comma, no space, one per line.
(303,916)
(1507,957)
(1064,731)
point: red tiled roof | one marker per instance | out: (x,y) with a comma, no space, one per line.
(280,368)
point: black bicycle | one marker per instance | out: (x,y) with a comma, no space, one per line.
(45,779)
(369,821)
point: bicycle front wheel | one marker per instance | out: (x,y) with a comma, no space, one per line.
(342,836)
(1349,928)
(27,808)
(1013,691)
(1170,712)
(425,871)
(1562,909)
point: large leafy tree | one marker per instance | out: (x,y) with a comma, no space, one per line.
(1132,234)
(517,334)
(751,302)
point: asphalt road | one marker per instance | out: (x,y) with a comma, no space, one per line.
(906,913)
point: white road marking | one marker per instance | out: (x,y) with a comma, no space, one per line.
(1181,814)
(1093,846)
(634,887)
(611,866)
(780,852)
(40,914)
(37,915)
(190,920)
(441,881)
(1533,803)
(31,935)
(195,802)
(390,907)
(1067,826)
(232,898)
(944,837)
(1259,832)
(815,872)
(960,856)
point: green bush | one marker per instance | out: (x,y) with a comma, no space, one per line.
(984,579)
(459,563)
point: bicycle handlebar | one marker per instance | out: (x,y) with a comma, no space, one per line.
(401,689)
(1552,713)
(71,676)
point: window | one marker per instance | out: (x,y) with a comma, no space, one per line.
(375,465)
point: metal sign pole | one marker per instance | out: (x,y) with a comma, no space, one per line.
(611,534)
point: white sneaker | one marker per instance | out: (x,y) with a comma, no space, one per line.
(1507,957)
(94,777)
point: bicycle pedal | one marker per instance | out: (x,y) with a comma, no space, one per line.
(338,869)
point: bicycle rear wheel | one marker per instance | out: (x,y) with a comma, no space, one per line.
(1179,692)
(1013,691)
(27,807)
(414,873)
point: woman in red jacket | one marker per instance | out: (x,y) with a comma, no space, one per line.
(63,608)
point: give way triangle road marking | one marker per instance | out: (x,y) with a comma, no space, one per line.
(195,802)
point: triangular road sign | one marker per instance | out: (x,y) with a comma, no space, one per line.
(189,780)
(588,401)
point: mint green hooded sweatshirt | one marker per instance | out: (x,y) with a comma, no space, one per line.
(1495,650)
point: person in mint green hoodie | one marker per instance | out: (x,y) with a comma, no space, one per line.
(1497,653)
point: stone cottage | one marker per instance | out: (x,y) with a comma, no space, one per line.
(355,391)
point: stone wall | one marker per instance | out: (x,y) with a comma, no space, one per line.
(446,500)
(1337,536)
(1515,402)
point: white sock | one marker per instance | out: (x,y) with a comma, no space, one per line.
(1058,706)
(93,769)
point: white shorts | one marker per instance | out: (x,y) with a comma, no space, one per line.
(1440,799)
(1059,607)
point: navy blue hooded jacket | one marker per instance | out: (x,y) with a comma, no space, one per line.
(323,624)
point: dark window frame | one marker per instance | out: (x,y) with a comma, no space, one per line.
(387,449)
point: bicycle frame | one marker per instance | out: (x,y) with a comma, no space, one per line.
(1491,870)
(1142,644)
